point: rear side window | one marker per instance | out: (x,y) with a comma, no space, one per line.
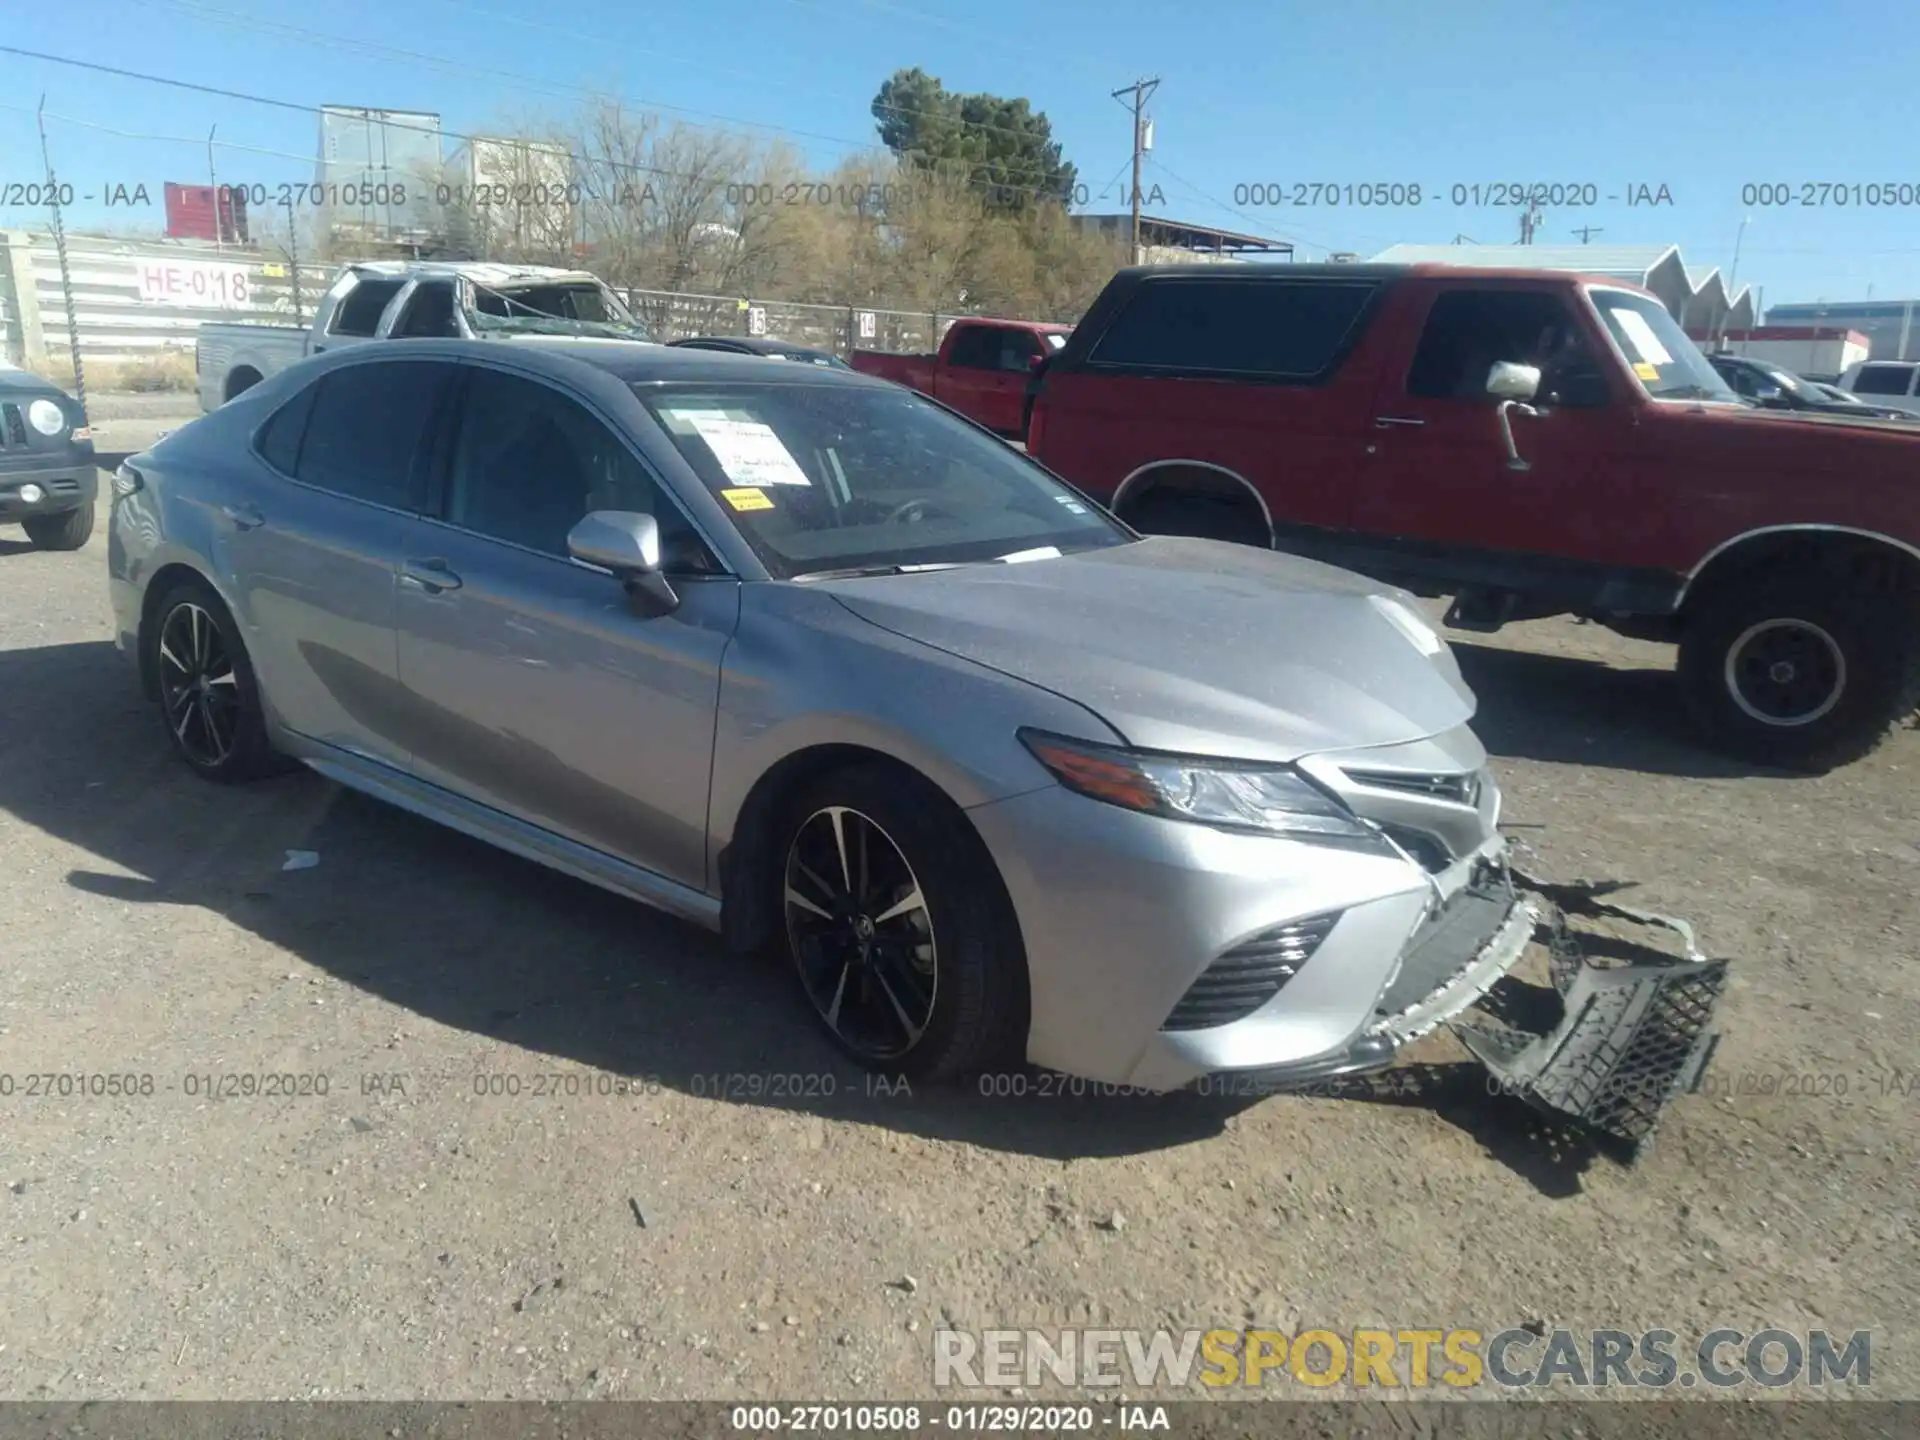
(1883,380)
(1289,330)
(279,439)
(364,434)
(360,312)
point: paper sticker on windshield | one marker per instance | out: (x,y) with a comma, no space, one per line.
(747,498)
(1072,504)
(1642,336)
(1649,373)
(747,450)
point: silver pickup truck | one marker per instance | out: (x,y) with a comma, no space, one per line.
(400,299)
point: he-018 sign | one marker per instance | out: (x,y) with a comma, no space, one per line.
(204,283)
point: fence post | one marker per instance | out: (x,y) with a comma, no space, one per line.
(66,274)
(850,331)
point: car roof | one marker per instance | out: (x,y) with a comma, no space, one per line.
(1256,273)
(633,362)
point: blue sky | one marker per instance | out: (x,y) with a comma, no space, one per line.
(1702,98)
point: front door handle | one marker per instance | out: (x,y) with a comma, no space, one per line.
(1387,422)
(432,575)
(244,517)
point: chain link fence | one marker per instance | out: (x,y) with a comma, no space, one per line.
(675,315)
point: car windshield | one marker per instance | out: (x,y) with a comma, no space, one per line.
(571,308)
(1667,364)
(841,478)
(1791,383)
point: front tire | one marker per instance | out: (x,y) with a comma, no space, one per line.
(68,530)
(898,926)
(1801,672)
(209,698)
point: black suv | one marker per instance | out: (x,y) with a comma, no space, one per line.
(47,479)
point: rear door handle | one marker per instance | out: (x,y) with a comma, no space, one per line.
(1387,422)
(244,517)
(432,575)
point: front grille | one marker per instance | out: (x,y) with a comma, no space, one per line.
(16,428)
(63,487)
(1460,789)
(1246,977)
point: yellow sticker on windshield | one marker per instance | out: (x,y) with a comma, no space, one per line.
(1645,371)
(747,499)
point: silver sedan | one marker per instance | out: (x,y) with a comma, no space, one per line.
(807,659)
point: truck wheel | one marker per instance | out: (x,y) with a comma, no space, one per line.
(1803,672)
(68,530)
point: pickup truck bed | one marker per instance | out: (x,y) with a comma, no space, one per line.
(981,369)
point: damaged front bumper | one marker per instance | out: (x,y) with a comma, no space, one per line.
(1629,1026)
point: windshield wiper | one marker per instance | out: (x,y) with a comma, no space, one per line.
(855,572)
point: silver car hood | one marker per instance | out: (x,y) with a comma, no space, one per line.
(1186,645)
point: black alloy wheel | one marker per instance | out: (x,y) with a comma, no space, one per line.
(208,697)
(861,933)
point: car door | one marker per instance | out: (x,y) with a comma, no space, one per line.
(1436,475)
(538,689)
(312,551)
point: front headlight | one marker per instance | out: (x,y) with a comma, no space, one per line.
(1231,795)
(1410,623)
(46,417)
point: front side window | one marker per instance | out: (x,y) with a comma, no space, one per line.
(1667,364)
(818,476)
(528,463)
(1275,329)
(363,437)
(1468,332)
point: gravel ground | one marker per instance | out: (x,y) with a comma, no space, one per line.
(402,1236)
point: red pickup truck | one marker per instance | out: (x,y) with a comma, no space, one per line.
(1529,443)
(981,369)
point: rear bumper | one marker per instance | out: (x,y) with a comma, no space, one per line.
(46,489)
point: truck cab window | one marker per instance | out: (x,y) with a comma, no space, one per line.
(977,347)
(1468,332)
(360,312)
(429,313)
(1018,350)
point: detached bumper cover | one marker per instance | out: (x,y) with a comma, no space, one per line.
(1637,1029)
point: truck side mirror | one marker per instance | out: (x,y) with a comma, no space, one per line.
(1513,385)
(1507,381)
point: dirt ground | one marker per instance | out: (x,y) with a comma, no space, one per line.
(402,1236)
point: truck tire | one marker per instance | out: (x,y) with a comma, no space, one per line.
(68,530)
(1804,672)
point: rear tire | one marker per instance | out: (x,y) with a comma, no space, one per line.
(1804,672)
(209,698)
(908,949)
(68,530)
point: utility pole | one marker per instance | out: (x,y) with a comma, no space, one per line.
(1529,222)
(1586,232)
(1139,90)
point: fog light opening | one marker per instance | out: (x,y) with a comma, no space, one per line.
(32,494)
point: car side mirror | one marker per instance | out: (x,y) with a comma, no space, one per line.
(1507,381)
(628,544)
